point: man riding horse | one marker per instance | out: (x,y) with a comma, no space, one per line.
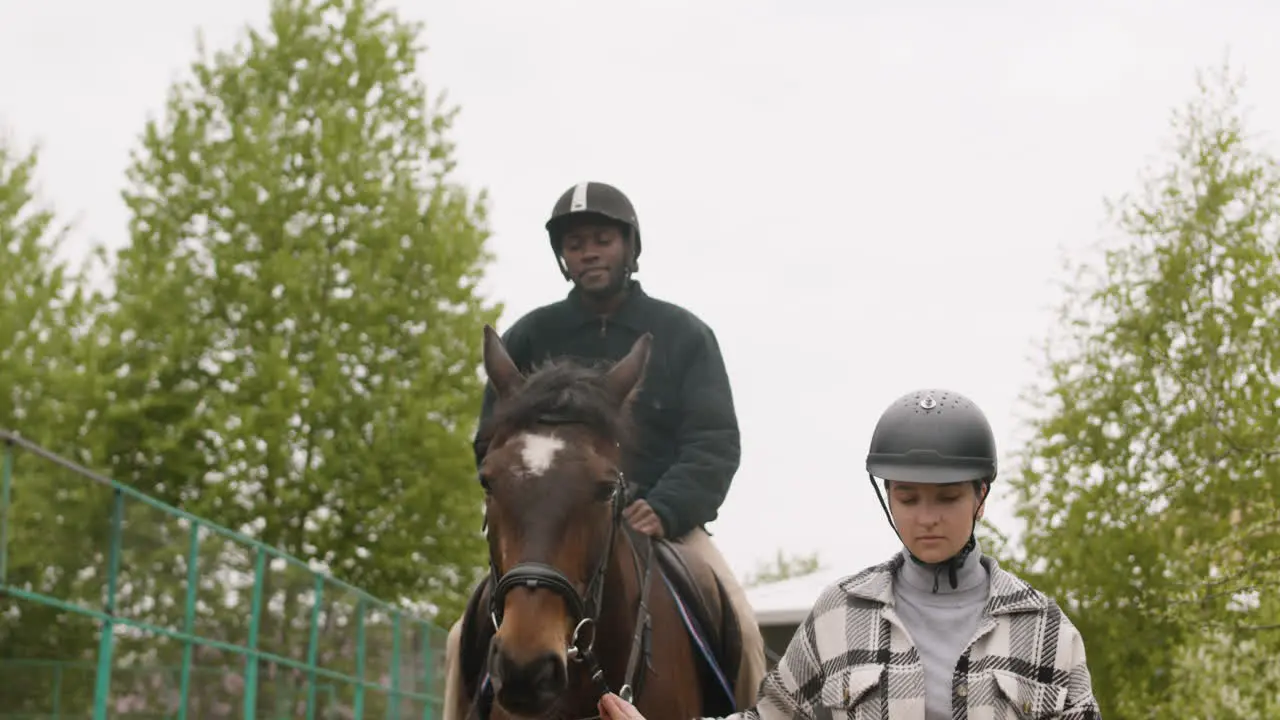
(688,447)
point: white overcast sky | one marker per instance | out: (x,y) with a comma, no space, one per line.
(859,201)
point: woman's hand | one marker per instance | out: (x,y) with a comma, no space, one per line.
(613,707)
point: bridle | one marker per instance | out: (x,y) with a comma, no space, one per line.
(584,608)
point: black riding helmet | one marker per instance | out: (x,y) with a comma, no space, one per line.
(601,200)
(934,437)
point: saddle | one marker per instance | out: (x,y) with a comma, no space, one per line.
(703,604)
(710,620)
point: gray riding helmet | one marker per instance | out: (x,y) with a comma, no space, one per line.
(933,436)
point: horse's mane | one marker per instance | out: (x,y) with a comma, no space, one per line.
(563,391)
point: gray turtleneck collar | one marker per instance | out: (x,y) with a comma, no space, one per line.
(941,620)
(933,578)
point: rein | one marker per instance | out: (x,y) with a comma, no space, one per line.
(585,607)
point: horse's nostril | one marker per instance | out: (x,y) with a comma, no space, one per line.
(544,673)
(550,671)
(529,688)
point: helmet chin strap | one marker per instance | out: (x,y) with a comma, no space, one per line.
(952,564)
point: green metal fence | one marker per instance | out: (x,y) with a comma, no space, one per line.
(115,605)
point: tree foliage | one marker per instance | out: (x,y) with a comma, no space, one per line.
(1149,487)
(288,348)
(297,310)
(45,397)
(41,307)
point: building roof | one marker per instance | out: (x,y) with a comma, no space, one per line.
(788,602)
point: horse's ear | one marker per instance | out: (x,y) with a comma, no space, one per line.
(625,376)
(498,365)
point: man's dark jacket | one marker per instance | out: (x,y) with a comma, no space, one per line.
(687,445)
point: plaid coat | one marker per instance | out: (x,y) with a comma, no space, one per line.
(852,659)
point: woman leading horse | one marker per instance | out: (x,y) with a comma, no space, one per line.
(939,631)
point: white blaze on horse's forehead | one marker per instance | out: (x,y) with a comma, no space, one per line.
(539,452)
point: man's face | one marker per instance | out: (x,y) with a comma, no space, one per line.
(596,254)
(935,521)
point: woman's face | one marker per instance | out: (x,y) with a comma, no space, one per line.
(935,521)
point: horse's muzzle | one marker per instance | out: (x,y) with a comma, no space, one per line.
(526,688)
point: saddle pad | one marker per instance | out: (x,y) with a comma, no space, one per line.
(720,632)
(699,640)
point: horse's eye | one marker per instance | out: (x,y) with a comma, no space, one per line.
(484,483)
(605,491)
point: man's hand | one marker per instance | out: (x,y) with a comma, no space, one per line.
(643,519)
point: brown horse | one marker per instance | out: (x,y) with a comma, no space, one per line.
(578,602)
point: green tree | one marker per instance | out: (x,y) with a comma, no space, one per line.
(782,567)
(49,522)
(295,333)
(41,309)
(1149,488)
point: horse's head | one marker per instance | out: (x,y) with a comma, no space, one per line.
(554,493)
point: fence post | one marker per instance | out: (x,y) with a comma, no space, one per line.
(428,707)
(395,668)
(6,479)
(106,644)
(189,617)
(313,647)
(360,658)
(57,691)
(255,618)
